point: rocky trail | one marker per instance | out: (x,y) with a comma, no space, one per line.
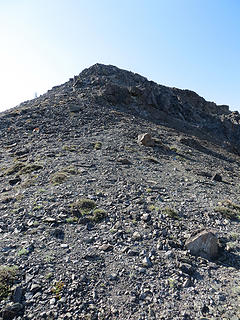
(119,199)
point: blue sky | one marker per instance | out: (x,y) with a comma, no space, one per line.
(193,44)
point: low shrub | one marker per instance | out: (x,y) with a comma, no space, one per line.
(228,209)
(58,177)
(7,277)
(170,212)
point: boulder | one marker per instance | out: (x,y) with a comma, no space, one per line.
(11,311)
(146,140)
(203,244)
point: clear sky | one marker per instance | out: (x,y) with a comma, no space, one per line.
(193,44)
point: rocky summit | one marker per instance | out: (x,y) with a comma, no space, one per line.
(119,199)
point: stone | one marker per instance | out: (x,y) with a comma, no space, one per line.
(169,254)
(186,283)
(113,276)
(11,311)
(146,217)
(52,301)
(64,245)
(217,177)
(203,244)
(146,140)
(124,161)
(17,294)
(186,268)
(106,247)
(146,262)
(136,236)
(74,108)
(35,287)
(14,181)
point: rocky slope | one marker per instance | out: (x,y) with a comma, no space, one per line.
(95,225)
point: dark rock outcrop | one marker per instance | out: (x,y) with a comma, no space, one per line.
(133,93)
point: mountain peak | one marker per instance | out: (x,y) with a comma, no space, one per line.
(113,202)
(125,91)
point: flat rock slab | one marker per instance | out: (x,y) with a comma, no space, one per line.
(203,244)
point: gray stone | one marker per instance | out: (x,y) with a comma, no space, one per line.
(74,108)
(113,276)
(169,254)
(17,294)
(124,161)
(35,287)
(146,140)
(186,283)
(52,301)
(106,247)
(146,262)
(204,244)
(64,245)
(146,217)
(186,268)
(136,236)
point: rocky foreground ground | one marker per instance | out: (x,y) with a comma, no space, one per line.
(94,222)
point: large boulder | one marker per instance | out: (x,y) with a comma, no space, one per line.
(204,244)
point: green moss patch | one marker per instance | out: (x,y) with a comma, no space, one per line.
(82,207)
(58,177)
(170,212)
(7,277)
(87,208)
(58,288)
(14,169)
(30,168)
(72,220)
(228,209)
(98,215)
(97,145)
(23,168)
(70,148)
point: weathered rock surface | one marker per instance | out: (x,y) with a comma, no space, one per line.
(146,140)
(204,244)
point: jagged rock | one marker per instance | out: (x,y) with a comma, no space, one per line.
(217,177)
(35,287)
(146,140)
(204,244)
(11,311)
(17,294)
(146,262)
(187,268)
